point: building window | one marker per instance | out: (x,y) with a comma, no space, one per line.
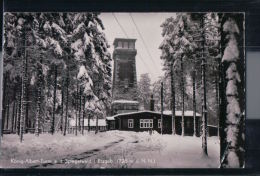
(113,125)
(188,123)
(159,123)
(130,123)
(146,123)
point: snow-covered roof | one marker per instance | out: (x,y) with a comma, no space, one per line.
(136,112)
(101,122)
(125,101)
(179,113)
(212,126)
(110,118)
(124,39)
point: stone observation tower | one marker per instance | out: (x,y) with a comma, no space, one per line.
(124,89)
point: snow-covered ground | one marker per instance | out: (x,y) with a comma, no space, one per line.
(48,147)
(111,149)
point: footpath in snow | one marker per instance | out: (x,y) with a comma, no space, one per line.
(48,148)
(111,149)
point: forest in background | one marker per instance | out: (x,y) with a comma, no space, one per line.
(56,67)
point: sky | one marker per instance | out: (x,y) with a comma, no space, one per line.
(148,25)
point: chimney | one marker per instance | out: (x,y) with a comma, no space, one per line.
(152,103)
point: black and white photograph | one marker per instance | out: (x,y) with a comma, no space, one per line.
(123,90)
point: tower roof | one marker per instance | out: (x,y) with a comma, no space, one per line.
(123,40)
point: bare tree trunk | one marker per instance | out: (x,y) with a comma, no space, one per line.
(80,104)
(27,120)
(161,107)
(38,104)
(26,96)
(62,104)
(7,115)
(182,97)
(16,113)
(217,96)
(173,99)
(218,75)
(24,85)
(84,114)
(194,100)
(89,123)
(19,109)
(96,131)
(67,103)
(204,97)
(221,96)
(54,101)
(3,102)
(37,125)
(14,107)
(77,94)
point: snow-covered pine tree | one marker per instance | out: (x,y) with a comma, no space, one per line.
(90,51)
(39,96)
(54,36)
(10,53)
(206,37)
(213,53)
(24,81)
(14,46)
(233,94)
(156,89)
(203,79)
(195,37)
(178,45)
(15,49)
(144,90)
(25,28)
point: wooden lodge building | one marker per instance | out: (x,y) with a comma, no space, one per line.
(151,120)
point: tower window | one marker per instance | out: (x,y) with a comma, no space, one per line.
(120,45)
(125,44)
(131,45)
